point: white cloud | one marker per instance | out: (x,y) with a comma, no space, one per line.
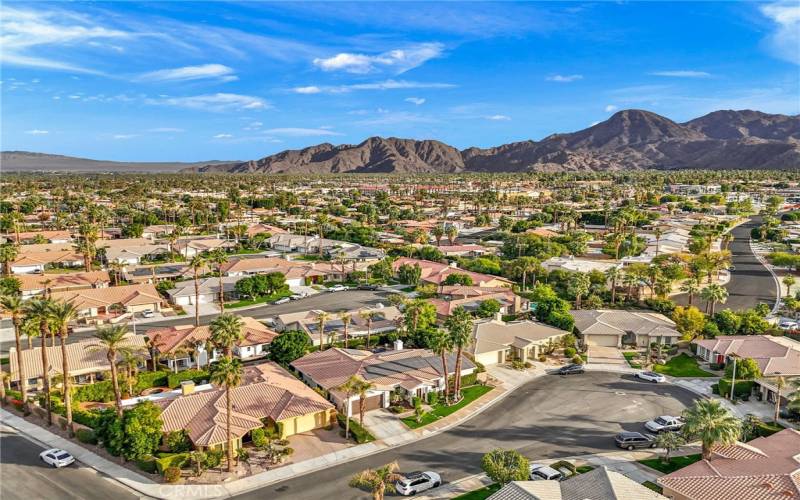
(611,108)
(223,136)
(386,117)
(564,78)
(681,73)
(784,42)
(396,61)
(415,100)
(124,136)
(165,130)
(253,126)
(186,73)
(37,131)
(219,102)
(381,85)
(498,118)
(301,132)
(311,89)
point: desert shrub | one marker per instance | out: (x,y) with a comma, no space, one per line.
(169,460)
(259,437)
(214,458)
(743,387)
(147,464)
(86,436)
(99,391)
(542,358)
(172,474)
(397,409)
(569,352)
(577,359)
(178,441)
(360,434)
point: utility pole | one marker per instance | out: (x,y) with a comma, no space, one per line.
(733,379)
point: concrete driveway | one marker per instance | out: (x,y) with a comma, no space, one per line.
(606,356)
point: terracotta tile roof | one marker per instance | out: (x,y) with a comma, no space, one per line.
(773,354)
(127,295)
(66,280)
(616,322)
(42,258)
(171,338)
(436,272)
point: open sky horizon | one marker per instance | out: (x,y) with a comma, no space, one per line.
(184,81)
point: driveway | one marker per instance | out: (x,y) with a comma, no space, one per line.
(547,418)
(606,356)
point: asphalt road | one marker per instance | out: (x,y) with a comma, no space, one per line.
(751,283)
(23,476)
(550,417)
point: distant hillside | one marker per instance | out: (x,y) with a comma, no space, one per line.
(25,161)
(628,140)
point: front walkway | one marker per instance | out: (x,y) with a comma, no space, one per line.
(606,356)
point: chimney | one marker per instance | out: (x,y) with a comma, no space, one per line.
(187,387)
(398,345)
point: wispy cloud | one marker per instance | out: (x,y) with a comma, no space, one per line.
(415,100)
(611,108)
(386,117)
(394,61)
(165,130)
(219,102)
(301,132)
(205,71)
(124,136)
(784,42)
(37,131)
(564,78)
(381,85)
(681,73)
(498,118)
(223,136)
(310,89)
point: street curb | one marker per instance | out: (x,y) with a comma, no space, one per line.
(778,286)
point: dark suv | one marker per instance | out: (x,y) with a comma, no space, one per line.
(570,370)
(633,440)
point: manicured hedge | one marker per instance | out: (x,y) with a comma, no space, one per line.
(174,379)
(147,464)
(171,460)
(360,434)
(86,436)
(99,391)
(743,387)
(146,380)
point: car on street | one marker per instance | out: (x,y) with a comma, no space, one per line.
(282,301)
(541,472)
(664,423)
(148,313)
(338,288)
(416,482)
(298,296)
(787,324)
(651,377)
(633,440)
(56,457)
(570,370)
(367,286)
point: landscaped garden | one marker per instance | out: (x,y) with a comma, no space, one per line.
(674,463)
(480,494)
(682,365)
(632,357)
(440,410)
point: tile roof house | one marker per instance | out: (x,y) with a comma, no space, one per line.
(52,236)
(181,346)
(191,247)
(437,273)
(766,468)
(297,273)
(406,373)
(270,393)
(32,285)
(96,303)
(470,298)
(495,341)
(37,262)
(613,328)
(598,484)
(134,254)
(385,320)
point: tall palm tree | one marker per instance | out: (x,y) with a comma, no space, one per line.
(349,388)
(379,480)
(30,328)
(346,318)
(39,310)
(322,318)
(63,313)
(691,286)
(712,294)
(219,257)
(712,424)
(197,263)
(459,326)
(13,305)
(441,344)
(369,317)
(322,219)
(780,383)
(658,232)
(112,340)
(362,388)
(8,254)
(130,360)
(228,373)
(437,232)
(226,332)
(452,233)
(612,274)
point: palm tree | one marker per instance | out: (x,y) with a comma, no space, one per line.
(459,326)
(62,315)
(322,318)
(691,286)
(30,328)
(452,233)
(437,232)
(13,305)
(219,257)
(362,389)
(197,263)
(349,388)
(8,254)
(789,280)
(130,360)
(657,233)
(39,310)
(441,344)
(712,294)
(226,332)
(580,284)
(227,372)
(322,219)
(712,424)
(612,274)
(669,441)
(346,318)
(378,481)
(112,340)
(780,383)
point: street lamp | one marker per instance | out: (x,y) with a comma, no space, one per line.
(733,378)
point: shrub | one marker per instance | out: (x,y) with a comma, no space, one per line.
(397,409)
(360,434)
(89,418)
(542,358)
(743,387)
(172,474)
(715,389)
(146,380)
(86,436)
(214,458)
(470,379)
(663,306)
(174,379)
(178,441)
(147,464)
(259,437)
(433,398)
(169,460)
(569,352)
(577,359)
(99,391)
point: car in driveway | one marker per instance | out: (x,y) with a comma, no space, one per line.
(56,457)
(664,423)
(571,370)
(282,301)
(148,313)
(541,472)
(416,482)
(338,288)
(633,440)
(651,377)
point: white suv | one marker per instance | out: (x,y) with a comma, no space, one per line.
(664,423)
(415,482)
(541,472)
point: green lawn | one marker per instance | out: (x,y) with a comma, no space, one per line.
(480,494)
(629,357)
(653,486)
(439,411)
(259,300)
(674,464)
(682,365)
(583,469)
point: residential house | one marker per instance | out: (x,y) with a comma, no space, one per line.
(183,346)
(290,243)
(27,237)
(111,303)
(437,273)
(208,291)
(613,328)
(766,468)
(598,484)
(496,341)
(191,247)
(400,374)
(464,250)
(37,262)
(471,297)
(384,320)
(134,254)
(269,395)
(297,273)
(32,285)
(156,273)
(573,265)
(158,231)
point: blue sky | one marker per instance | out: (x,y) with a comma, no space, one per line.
(180,81)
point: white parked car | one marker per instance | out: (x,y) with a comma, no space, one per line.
(664,423)
(416,482)
(338,288)
(298,296)
(148,313)
(56,457)
(541,472)
(652,377)
(787,324)
(281,301)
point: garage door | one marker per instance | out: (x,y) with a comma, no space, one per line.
(602,340)
(371,403)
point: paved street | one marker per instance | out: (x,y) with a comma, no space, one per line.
(23,476)
(549,417)
(751,283)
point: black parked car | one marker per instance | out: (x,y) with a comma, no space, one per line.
(633,440)
(367,286)
(571,370)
